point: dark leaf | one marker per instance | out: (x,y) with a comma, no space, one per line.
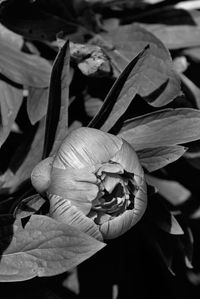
(193,53)
(161,243)
(171,190)
(154,158)
(22,68)
(158,214)
(34,22)
(121,94)
(57,112)
(162,128)
(10,102)
(44,247)
(29,206)
(192,156)
(188,244)
(192,91)
(33,157)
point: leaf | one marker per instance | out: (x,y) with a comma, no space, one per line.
(155,158)
(28,206)
(174,26)
(158,214)
(191,90)
(193,53)
(72,282)
(161,243)
(37,104)
(44,247)
(176,36)
(22,68)
(10,102)
(35,22)
(57,112)
(158,83)
(9,36)
(121,94)
(162,128)
(33,157)
(188,244)
(171,190)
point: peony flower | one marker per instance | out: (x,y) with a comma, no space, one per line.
(94,182)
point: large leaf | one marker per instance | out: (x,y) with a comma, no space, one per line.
(176,28)
(10,102)
(44,247)
(37,104)
(154,158)
(22,68)
(121,94)
(57,112)
(162,128)
(158,82)
(176,36)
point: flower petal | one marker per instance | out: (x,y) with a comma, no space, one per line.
(41,175)
(128,158)
(62,210)
(77,185)
(87,147)
(117,226)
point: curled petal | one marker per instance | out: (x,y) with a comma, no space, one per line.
(117,226)
(62,210)
(127,157)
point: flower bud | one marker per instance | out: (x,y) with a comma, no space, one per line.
(94,182)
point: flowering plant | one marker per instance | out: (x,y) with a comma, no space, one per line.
(92,182)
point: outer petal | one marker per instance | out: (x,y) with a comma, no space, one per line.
(41,175)
(119,225)
(87,147)
(128,158)
(62,210)
(76,185)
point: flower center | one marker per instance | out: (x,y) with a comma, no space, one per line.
(117,189)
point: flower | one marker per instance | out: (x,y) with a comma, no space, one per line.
(94,182)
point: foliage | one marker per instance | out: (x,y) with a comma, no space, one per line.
(124,67)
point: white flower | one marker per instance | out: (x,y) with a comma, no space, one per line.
(94,182)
